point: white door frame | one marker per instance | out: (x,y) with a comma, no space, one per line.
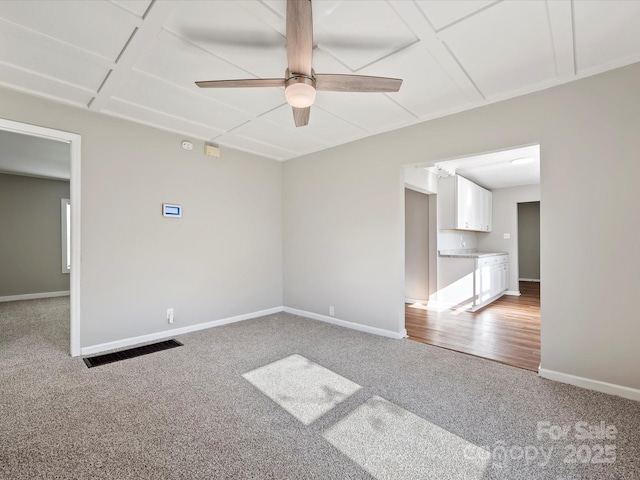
(74,186)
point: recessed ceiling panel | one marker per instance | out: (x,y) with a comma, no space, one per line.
(606,32)
(150,92)
(370,111)
(374,112)
(441,13)
(137,7)
(325,126)
(259,148)
(98,27)
(359,36)
(229,31)
(506,47)
(426,89)
(41,54)
(131,111)
(175,60)
(27,81)
(285,138)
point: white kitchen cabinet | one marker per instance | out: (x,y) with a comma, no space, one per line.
(471,282)
(491,279)
(487,210)
(463,205)
(465,198)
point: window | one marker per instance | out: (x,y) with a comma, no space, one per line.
(65,215)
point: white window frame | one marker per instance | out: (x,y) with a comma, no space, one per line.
(65,224)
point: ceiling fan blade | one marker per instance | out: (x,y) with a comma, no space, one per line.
(301,116)
(356,83)
(299,36)
(249,82)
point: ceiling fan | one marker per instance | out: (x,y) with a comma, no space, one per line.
(300,81)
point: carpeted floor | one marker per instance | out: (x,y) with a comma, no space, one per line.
(226,405)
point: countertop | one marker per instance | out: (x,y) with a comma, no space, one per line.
(467,254)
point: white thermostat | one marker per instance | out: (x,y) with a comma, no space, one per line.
(171,210)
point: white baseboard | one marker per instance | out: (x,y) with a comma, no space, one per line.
(597,385)
(127,342)
(515,293)
(529,280)
(32,296)
(347,324)
(415,300)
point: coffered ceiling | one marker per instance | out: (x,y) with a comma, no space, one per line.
(139,60)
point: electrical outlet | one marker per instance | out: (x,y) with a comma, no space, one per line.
(170,315)
(331,311)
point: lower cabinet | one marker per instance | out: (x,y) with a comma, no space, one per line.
(491,279)
(471,283)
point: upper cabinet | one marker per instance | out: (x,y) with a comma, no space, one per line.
(463,205)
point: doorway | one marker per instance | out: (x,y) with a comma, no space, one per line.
(74,142)
(479,305)
(529,241)
(416,264)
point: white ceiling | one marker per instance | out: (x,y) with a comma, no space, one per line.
(34,156)
(495,170)
(139,60)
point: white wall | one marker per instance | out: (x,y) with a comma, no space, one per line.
(505,220)
(344,229)
(344,235)
(222,258)
(416,262)
(30,238)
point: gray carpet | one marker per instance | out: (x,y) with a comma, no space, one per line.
(188,413)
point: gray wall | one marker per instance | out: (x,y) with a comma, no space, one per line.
(416,261)
(529,240)
(223,258)
(505,220)
(344,218)
(31,243)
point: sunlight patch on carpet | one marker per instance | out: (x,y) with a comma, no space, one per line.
(391,443)
(304,389)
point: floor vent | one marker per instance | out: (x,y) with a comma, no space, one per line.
(130,353)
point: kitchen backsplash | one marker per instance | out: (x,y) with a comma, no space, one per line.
(457,240)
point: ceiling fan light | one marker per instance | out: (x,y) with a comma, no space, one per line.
(300,95)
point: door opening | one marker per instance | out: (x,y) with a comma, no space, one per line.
(74,142)
(479,305)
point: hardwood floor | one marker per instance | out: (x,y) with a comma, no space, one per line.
(506,331)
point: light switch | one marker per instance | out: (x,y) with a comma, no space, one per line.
(507,236)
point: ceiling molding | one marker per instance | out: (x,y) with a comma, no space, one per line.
(138,60)
(140,41)
(419,25)
(562,33)
(265,13)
